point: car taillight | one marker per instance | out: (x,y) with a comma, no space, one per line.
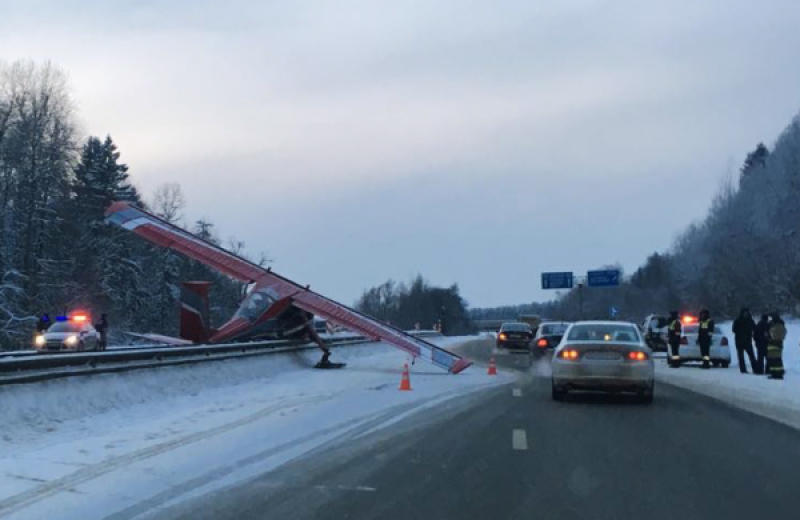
(570,354)
(502,336)
(541,343)
(724,341)
(637,355)
(684,341)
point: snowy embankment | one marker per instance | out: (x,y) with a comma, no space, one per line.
(778,400)
(132,442)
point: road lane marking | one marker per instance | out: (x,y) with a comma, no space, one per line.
(517,392)
(519,439)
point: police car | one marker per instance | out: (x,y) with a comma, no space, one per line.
(74,333)
(719,352)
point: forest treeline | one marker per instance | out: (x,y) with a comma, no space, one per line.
(417,303)
(56,252)
(744,252)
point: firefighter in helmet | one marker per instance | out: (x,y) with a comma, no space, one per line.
(674,333)
(704,332)
(777,333)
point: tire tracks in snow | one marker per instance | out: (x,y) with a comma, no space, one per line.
(69,481)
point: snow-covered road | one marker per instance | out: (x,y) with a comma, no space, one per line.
(778,400)
(125,444)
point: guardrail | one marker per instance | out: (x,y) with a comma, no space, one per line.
(30,369)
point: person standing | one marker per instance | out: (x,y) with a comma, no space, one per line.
(43,324)
(704,332)
(674,333)
(743,327)
(102,329)
(777,333)
(761,337)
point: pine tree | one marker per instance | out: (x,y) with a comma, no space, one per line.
(108,262)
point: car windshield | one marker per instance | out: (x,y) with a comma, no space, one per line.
(516,327)
(554,329)
(604,332)
(64,326)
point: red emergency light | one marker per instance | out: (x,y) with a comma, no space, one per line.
(80,318)
(688,319)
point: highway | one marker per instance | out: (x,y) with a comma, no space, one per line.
(512,452)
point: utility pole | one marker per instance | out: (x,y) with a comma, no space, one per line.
(580,300)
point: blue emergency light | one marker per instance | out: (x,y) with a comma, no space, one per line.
(62,318)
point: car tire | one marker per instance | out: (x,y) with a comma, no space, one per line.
(725,364)
(558,394)
(646,396)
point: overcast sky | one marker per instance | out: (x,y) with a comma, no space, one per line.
(477,143)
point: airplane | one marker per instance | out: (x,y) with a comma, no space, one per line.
(272,299)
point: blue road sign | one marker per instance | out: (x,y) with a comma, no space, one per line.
(557,280)
(605,278)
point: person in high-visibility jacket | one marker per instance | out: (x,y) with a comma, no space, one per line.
(704,332)
(674,333)
(777,333)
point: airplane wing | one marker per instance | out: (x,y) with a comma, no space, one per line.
(272,287)
(162,233)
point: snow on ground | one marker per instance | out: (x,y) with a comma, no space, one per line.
(778,400)
(128,443)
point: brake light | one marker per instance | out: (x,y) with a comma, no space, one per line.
(570,354)
(502,336)
(637,355)
(724,341)
(684,341)
(541,343)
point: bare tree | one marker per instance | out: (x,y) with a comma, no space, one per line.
(168,202)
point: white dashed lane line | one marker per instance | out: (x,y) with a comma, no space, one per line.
(519,439)
(516,392)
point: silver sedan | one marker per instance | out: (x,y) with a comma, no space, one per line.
(603,355)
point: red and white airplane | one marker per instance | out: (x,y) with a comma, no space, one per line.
(271,296)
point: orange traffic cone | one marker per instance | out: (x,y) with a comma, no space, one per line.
(492,367)
(405,382)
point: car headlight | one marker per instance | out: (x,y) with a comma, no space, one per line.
(39,340)
(71,341)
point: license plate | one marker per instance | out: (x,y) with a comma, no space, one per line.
(605,356)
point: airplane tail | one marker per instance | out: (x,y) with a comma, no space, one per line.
(195,325)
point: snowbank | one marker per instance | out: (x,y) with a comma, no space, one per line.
(778,400)
(130,442)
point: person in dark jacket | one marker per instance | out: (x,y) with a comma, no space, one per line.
(777,333)
(44,323)
(102,329)
(704,333)
(674,333)
(761,338)
(743,328)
